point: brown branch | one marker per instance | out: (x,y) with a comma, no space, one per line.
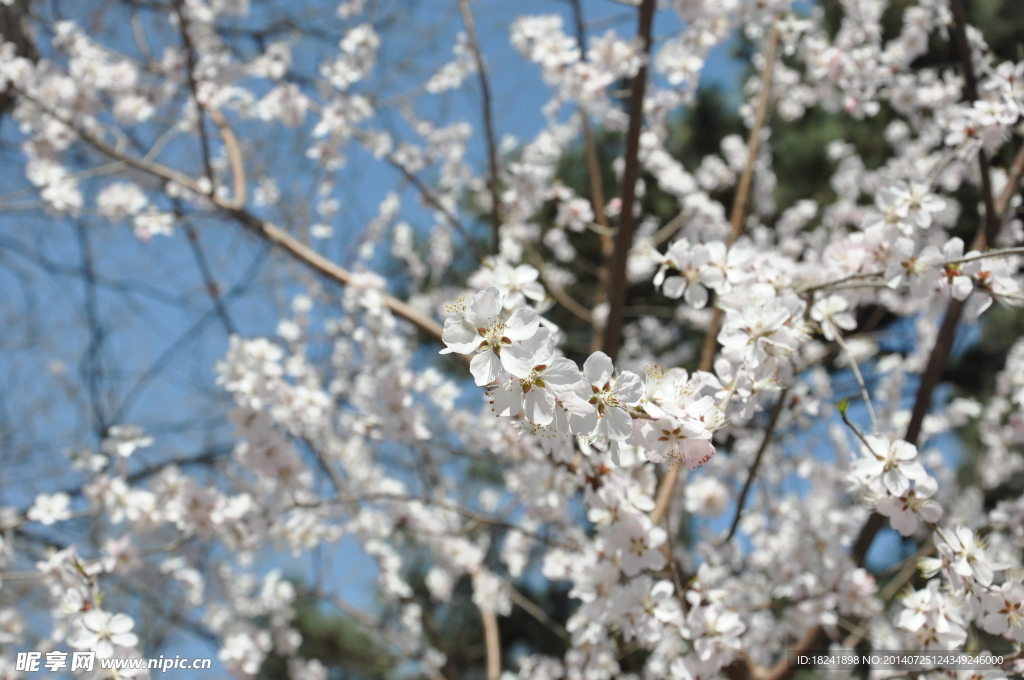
(321,264)
(271,233)
(492,146)
(768,431)
(737,219)
(617,282)
(493,642)
(563,298)
(227,135)
(597,200)
(190,72)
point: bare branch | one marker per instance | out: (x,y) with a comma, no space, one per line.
(617,282)
(488,116)
(768,431)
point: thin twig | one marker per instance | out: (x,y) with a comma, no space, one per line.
(597,199)
(768,432)
(488,116)
(212,288)
(190,69)
(536,612)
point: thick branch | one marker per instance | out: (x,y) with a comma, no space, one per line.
(493,642)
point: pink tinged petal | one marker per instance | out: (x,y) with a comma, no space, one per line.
(562,372)
(904,522)
(485,367)
(696,296)
(522,324)
(696,452)
(617,424)
(674,287)
(629,389)
(540,406)
(598,368)
(887,506)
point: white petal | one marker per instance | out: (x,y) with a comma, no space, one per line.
(617,424)
(459,335)
(523,323)
(583,424)
(629,389)
(562,372)
(484,307)
(508,399)
(598,368)
(540,406)
(696,296)
(485,367)
(518,360)
(674,287)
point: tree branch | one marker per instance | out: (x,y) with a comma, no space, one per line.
(493,642)
(597,199)
(488,116)
(624,239)
(768,431)
(271,233)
